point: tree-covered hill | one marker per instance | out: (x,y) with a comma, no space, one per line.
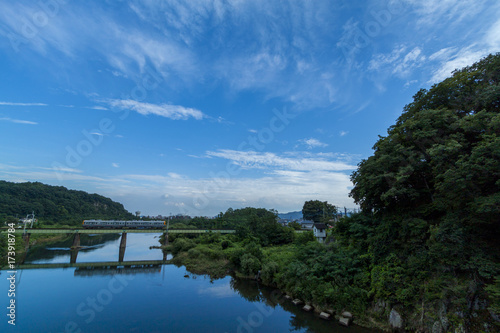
(430,196)
(56,204)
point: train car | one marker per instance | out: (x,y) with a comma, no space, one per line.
(113,224)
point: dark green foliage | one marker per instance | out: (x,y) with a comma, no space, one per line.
(249,264)
(56,204)
(318,211)
(304,237)
(430,193)
(260,224)
(182,245)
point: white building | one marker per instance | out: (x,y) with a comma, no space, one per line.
(319,230)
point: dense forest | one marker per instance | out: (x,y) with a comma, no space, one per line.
(430,196)
(424,253)
(56,204)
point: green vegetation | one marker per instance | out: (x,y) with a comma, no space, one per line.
(318,211)
(426,243)
(431,200)
(56,204)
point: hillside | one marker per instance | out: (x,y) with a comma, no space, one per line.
(56,204)
(291,215)
(430,199)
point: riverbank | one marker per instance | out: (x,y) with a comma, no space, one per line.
(246,260)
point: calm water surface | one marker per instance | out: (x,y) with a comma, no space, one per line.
(162,298)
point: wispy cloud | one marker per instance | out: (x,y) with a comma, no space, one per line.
(98,107)
(163,110)
(305,162)
(399,62)
(18,121)
(312,143)
(22,104)
(462,58)
(115,165)
(343,133)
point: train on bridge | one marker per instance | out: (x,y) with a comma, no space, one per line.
(114,224)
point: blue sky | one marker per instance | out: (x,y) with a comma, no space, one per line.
(197,106)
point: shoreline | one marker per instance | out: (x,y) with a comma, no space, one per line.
(221,268)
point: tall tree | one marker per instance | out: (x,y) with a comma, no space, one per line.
(434,180)
(318,210)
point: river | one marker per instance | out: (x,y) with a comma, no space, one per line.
(158,298)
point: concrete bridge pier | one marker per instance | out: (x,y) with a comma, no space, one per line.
(76,241)
(165,238)
(74,255)
(123,245)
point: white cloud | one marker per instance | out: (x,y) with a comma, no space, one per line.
(97,107)
(293,180)
(303,162)
(164,110)
(399,62)
(312,143)
(492,37)
(464,57)
(115,165)
(452,12)
(343,133)
(452,58)
(22,104)
(18,121)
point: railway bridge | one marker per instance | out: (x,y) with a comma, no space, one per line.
(123,242)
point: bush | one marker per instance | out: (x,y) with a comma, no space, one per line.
(225,244)
(255,250)
(269,269)
(304,237)
(194,253)
(250,264)
(182,245)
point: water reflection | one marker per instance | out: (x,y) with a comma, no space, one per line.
(100,294)
(274,301)
(60,251)
(128,270)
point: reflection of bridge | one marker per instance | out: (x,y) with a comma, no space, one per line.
(106,268)
(99,265)
(123,242)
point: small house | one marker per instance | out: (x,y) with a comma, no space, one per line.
(319,230)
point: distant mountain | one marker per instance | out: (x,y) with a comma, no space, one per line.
(56,204)
(291,215)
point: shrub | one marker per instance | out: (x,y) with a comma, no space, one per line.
(250,264)
(182,245)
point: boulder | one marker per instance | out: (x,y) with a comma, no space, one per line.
(395,319)
(297,301)
(330,311)
(347,314)
(324,315)
(307,308)
(344,321)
